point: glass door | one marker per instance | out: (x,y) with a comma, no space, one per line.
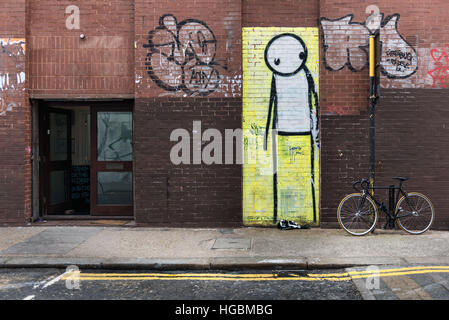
(112,161)
(56,160)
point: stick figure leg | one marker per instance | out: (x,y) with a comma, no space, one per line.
(274,151)
(312,168)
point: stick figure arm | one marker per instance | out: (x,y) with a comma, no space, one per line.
(273,100)
(314,108)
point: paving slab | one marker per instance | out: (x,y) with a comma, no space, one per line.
(10,236)
(150,243)
(52,241)
(232,243)
(427,260)
(332,262)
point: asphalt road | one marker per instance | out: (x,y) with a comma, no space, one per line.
(369,283)
(54,284)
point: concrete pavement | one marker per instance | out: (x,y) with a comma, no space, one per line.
(241,248)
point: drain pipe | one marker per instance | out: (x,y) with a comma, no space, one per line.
(372,104)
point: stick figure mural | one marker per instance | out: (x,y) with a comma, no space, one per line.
(280,114)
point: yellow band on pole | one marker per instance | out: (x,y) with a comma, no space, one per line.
(371,56)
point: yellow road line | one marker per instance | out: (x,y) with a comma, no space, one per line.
(345,276)
(211,279)
(377,271)
(262,275)
(399,273)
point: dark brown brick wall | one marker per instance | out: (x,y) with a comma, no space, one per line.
(184,195)
(411,139)
(344,159)
(282,13)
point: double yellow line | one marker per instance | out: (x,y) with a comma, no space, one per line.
(384,272)
(344,276)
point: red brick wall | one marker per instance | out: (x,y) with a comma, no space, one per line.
(344,91)
(63,65)
(15,169)
(220,25)
(282,13)
(113,62)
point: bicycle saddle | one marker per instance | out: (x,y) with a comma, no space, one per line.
(400,178)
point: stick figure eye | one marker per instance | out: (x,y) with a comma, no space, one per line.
(277,61)
(302,56)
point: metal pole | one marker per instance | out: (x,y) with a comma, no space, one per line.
(372,103)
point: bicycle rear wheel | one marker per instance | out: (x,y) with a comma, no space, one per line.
(357,214)
(415,213)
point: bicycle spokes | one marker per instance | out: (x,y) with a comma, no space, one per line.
(357,214)
(415,213)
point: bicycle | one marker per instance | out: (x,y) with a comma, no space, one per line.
(358,212)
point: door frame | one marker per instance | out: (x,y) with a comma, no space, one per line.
(41,105)
(95,166)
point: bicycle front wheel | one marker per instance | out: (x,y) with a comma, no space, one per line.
(357,214)
(415,213)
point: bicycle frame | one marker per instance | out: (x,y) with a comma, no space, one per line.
(390,212)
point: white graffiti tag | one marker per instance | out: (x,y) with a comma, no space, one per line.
(346,44)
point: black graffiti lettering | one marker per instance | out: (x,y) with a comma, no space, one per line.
(176,49)
(200,79)
(401,55)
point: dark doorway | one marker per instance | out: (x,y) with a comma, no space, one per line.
(85,158)
(56,160)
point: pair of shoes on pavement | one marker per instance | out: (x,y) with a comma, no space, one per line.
(287,225)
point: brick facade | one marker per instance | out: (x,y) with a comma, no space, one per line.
(125,55)
(409,123)
(15,124)
(64,66)
(198,194)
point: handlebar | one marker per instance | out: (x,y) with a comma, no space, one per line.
(364,183)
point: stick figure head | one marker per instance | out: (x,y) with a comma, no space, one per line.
(285,54)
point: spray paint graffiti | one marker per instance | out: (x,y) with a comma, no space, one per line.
(6,106)
(292,92)
(398,58)
(12,72)
(338,110)
(181,56)
(280,71)
(441,73)
(346,44)
(10,50)
(343,48)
